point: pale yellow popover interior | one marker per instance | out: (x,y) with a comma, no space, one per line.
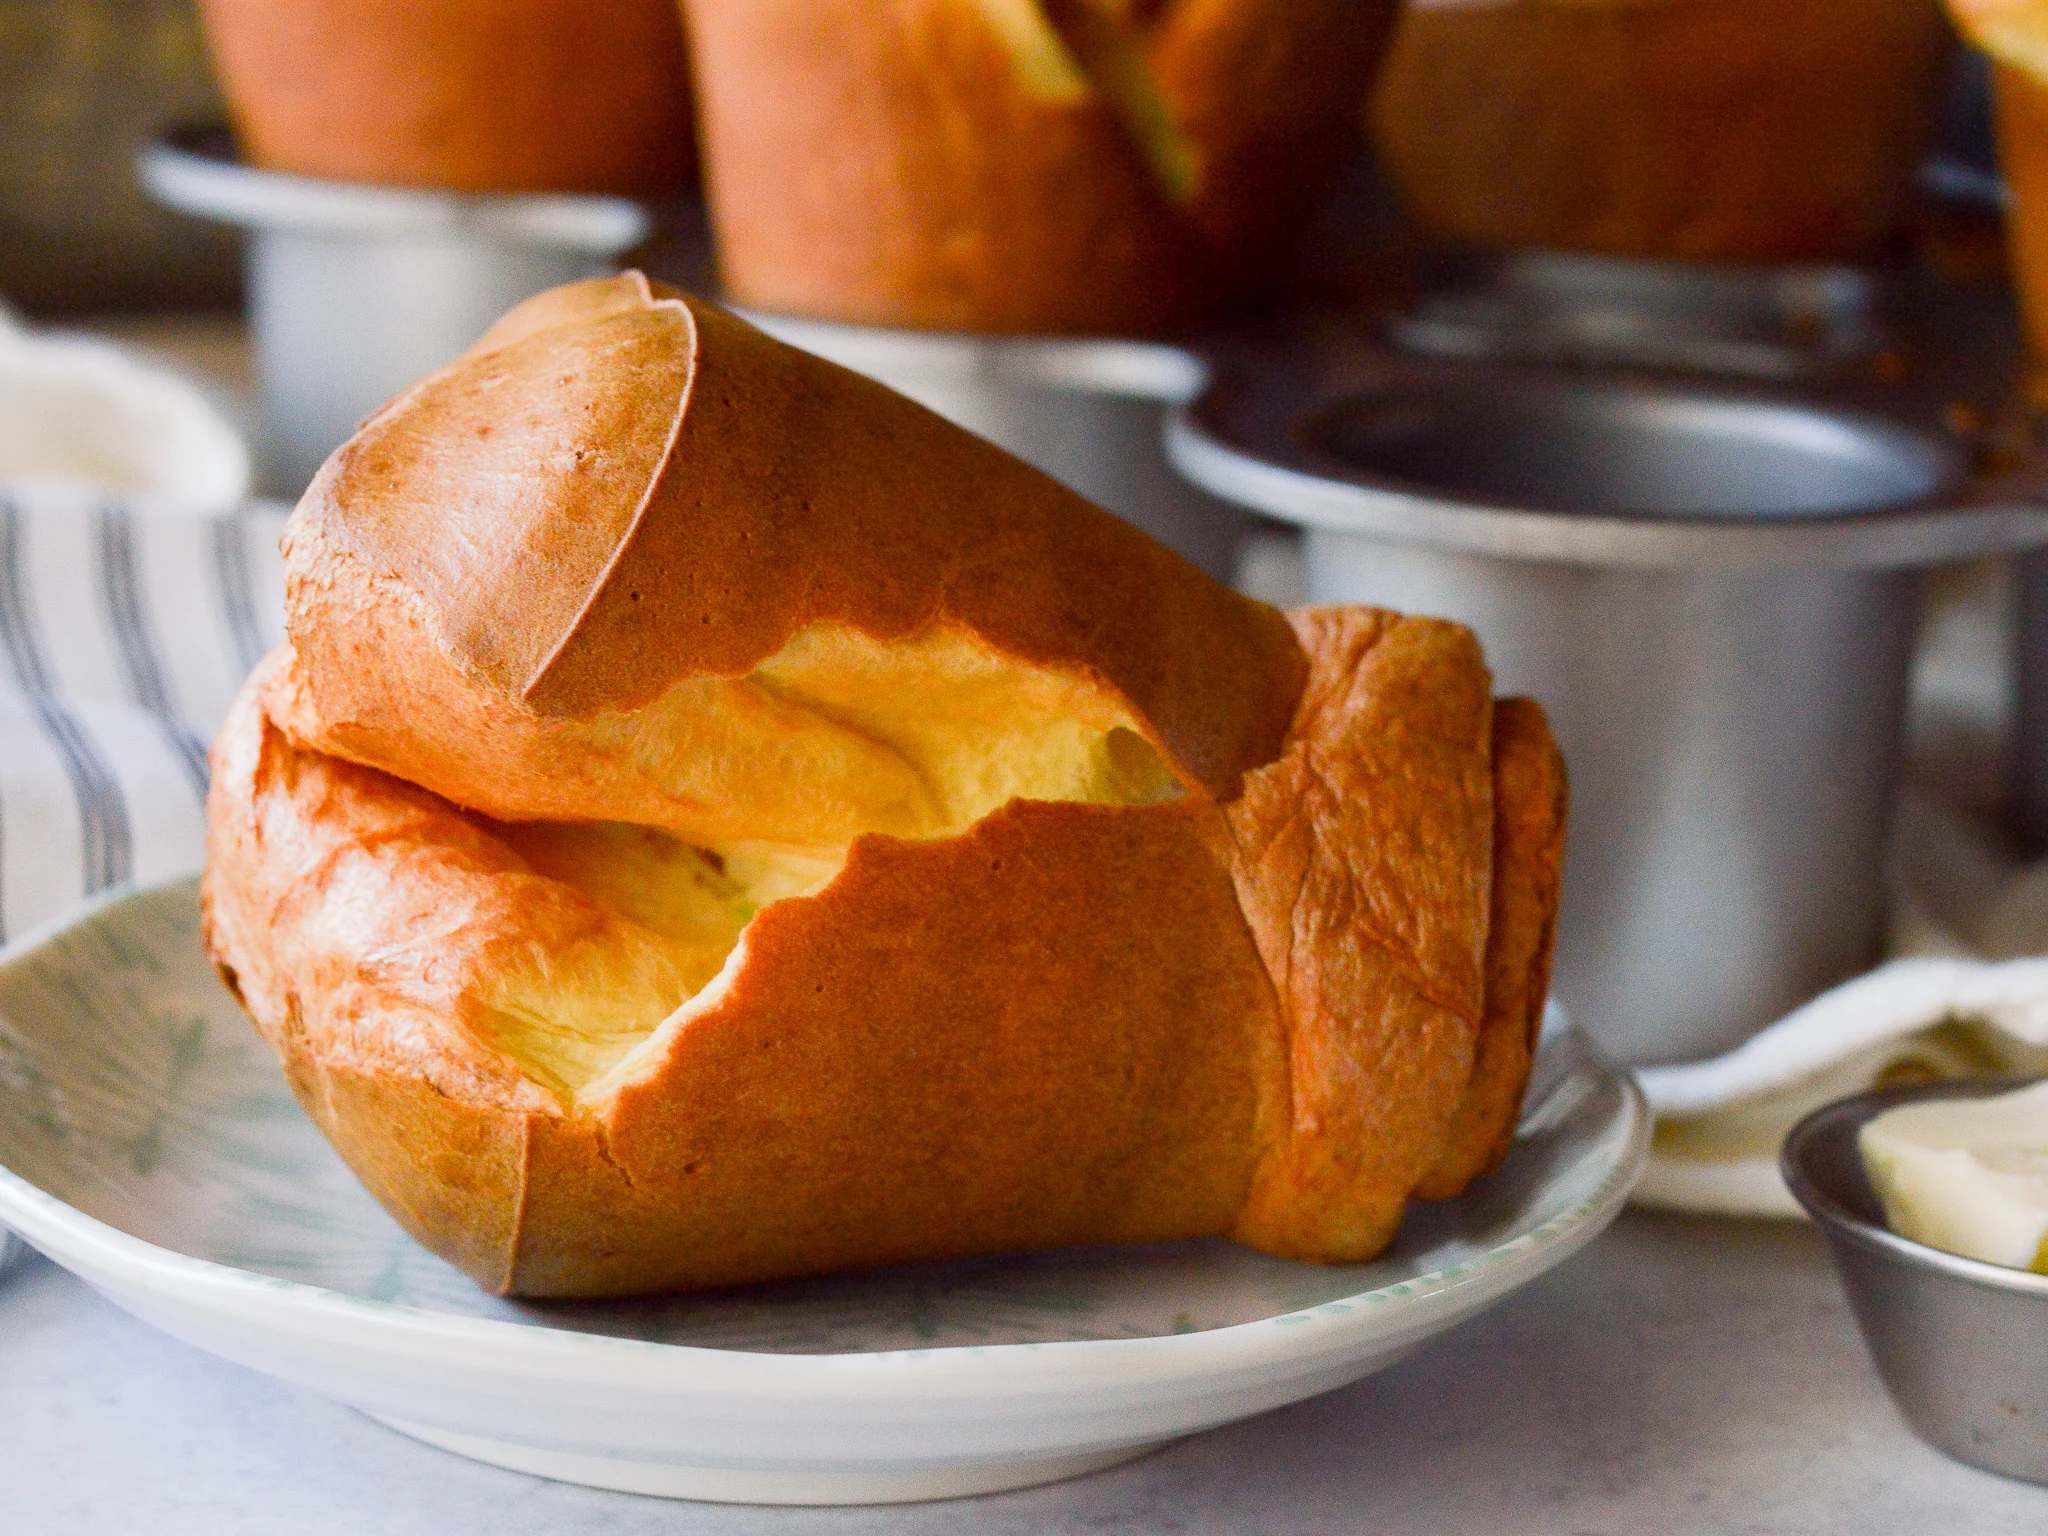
(840,735)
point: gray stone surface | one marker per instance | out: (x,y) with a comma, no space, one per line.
(1680,1376)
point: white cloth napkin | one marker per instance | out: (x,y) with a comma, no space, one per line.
(1720,1123)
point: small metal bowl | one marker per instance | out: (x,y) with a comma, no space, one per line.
(1962,1345)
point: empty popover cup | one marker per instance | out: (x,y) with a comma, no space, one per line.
(1713,591)
(1631,448)
(1962,1345)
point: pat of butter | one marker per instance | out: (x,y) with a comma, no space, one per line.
(1968,1176)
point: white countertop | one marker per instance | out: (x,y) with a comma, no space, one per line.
(1681,1376)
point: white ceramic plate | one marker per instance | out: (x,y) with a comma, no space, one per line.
(149,1144)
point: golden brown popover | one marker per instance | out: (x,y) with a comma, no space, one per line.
(469,95)
(713,820)
(1684,130)
(1106,166)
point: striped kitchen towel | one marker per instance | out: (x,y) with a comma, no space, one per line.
(125,628)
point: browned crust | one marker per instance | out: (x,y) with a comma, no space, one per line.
(928,1059)
(448,1171)
(1529,802)
(1051,1029)
(314,867)
(1363,863)
(883,163)
(688,495)
(472,95)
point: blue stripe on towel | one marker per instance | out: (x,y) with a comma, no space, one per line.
(141,657)
(235,591)
(107,842)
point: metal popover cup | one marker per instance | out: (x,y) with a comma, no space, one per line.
(1962,1345)
(357,291)
(1712,587)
